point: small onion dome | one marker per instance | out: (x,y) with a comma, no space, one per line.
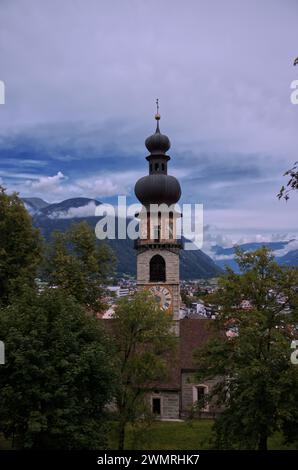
(158,189)
(158,144)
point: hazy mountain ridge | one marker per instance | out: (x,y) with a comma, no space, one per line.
(219,250)
(34,204)
(59,216)
(284,254)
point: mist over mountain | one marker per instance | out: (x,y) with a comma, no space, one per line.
(34,204)
(290,259)
(285,253)
(59,216)
(193,264)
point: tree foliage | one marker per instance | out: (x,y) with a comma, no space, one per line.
(78,265)
(58,374)
(143,337)
(292,184)
(257,384)
(20,248)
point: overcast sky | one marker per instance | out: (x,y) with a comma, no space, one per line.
(81,81)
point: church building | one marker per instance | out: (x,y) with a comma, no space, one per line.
(158,251)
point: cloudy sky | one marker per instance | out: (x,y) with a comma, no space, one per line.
(81,80)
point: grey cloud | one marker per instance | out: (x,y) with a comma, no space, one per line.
(82,76)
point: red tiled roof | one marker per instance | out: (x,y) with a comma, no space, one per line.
(194,333)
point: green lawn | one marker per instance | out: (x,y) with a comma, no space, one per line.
(166,435)
(163,435)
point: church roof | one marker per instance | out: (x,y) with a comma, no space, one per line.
(194,333)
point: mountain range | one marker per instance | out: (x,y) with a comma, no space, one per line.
(194,264)
(59,216)
(285,253)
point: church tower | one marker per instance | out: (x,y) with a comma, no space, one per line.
(158,247)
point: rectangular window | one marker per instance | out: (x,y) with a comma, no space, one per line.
(200,393)
(157,232)
(156,408)
(171,225)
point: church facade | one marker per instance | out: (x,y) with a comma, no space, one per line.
(158,250)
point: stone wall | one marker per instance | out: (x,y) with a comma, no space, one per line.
(172,275)
(170,401)
(188,384)
(172,265)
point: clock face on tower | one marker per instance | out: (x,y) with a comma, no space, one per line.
(162,295)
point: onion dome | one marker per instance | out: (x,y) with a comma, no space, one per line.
(158,189)
(158,143)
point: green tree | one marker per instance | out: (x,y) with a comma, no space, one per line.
(256,380)
(143,339)
(79,265)
(58,374)
(20,248)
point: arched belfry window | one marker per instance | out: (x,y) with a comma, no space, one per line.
(157,269)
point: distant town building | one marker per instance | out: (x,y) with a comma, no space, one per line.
(119,291)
